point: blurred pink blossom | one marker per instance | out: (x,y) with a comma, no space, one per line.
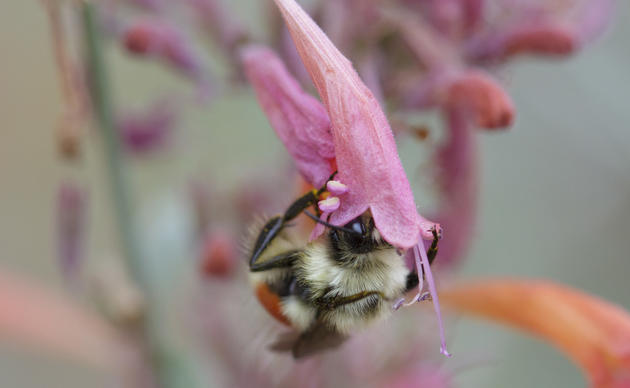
(146,131)
(219,254)
(153,37)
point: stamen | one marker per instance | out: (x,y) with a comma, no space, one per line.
(434,296)
(328,205)
(336,188)
(398,304)
(419,296)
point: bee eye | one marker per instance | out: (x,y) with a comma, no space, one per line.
(356,226)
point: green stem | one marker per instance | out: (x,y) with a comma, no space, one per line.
(170,368)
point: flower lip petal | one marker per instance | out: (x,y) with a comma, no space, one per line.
(365,150)
(300,121)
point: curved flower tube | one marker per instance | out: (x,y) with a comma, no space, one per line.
(365,151)
(593,333)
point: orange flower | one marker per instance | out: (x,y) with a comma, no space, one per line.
(592,332)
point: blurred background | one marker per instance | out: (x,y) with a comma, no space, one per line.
(554,201)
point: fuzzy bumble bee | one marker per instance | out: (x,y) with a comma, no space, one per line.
(328,288)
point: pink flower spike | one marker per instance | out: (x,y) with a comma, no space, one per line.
(299,120)
(329,204)
(336,188)
(367,159)
(433,292)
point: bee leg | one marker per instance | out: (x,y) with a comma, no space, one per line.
(282,260)
(276,224)
(331,303)
(412,277)
(433,249)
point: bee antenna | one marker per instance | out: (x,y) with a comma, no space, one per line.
(320,221)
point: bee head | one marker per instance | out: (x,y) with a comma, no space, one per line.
(358,236)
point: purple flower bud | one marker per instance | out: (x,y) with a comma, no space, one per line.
(160,39)
(147,131)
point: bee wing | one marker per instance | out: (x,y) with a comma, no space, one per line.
(285,342)
(315,340)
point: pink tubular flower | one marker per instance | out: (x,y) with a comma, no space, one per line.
(365,151)
(299,120)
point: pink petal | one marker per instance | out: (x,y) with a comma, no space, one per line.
(367,158)
(300,121)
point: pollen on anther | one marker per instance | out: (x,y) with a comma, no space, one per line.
(329,204)
(336,188)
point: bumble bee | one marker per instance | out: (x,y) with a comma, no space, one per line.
(326,289)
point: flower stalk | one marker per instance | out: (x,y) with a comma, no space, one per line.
(168,366)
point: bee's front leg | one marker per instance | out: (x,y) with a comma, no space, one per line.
(276,224)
